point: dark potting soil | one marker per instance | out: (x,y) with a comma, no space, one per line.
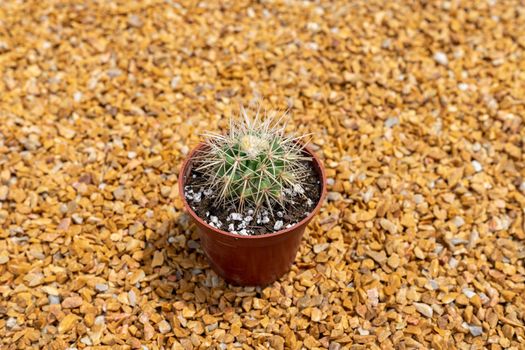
(226,218)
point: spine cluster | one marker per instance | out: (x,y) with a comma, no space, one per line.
(255,166)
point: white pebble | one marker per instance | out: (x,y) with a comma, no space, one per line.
(53,299)
(367,196)
(175,82)
(132,298)
(477,166)
(391,122)
(373,296)
(100,320)
(463,86)
(453,263)
(522,186)
(101,287)
(132,155)
(77,96)
(433,284)
(11,322)
(314,27)
(474,330)
(86,341)
(484,298)
(363,331)
(278,225)
(424,309)
(77,219)
(457,241)
(441,58)
(458,221)
(134,21)
(114,72)
(164,327)
(418,199)
(333,196)
(468,293)
(318,248)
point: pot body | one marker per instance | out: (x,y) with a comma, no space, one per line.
(250,260)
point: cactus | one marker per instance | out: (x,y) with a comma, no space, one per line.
(255,166)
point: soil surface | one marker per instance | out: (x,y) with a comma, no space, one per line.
(227,218)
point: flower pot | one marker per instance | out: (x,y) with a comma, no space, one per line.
(250,260)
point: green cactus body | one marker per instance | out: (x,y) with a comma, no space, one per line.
(254,166)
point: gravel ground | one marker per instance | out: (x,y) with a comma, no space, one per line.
(416,107)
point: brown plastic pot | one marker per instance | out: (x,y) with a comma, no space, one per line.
(250,260)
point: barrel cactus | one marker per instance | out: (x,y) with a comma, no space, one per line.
(255,166)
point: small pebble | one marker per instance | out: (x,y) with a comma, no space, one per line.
(175,82)
(77,219)
(474,330)
(333,196)
(132,298)
(320,247)
(468,293)
(134,21)
(477,166)
(77,96)
(424,309)
(164,327)
(391,122)
(53,299)
(101,287)
(11,323)
(418,199)
(463,86)
(441,58)
(458,221)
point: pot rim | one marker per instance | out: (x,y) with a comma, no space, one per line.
(266,235)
